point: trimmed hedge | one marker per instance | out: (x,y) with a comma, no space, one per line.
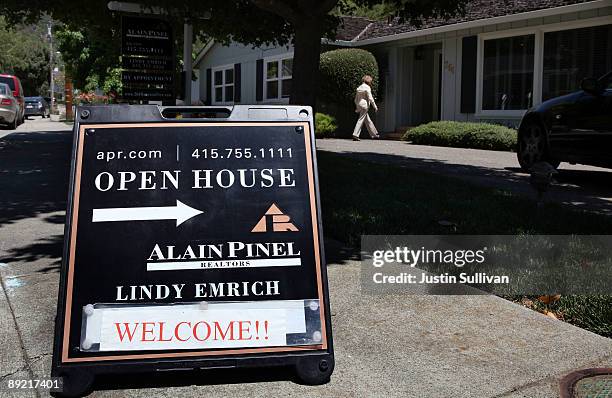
(341,71)
(325,124)
(463,135)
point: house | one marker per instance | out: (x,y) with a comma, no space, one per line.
(491,63)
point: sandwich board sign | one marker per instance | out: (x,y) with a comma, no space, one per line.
(192,243)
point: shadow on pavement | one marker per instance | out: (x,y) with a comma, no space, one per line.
(338,253)
(47,248)
(34,170)
(589,190)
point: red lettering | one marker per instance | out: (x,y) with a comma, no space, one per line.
(145,331)
(195,331)
(161,332)
(176,331)
(229,329)
(126,330)
(244,327)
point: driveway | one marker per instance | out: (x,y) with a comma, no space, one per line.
(386,345)
(583,187)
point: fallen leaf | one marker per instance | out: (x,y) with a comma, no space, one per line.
(549,299)
(550,315)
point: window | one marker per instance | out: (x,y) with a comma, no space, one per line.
(8,80)
(277,77)
(507,68)
(223,85)
(572,55)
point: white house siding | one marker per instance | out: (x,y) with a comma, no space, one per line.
(401,107)
(402,104)
(246,56)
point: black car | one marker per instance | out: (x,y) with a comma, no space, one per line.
(574,128)
(37,106)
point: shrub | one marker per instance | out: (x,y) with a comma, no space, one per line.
(463,135)
(324,124)
(341,72)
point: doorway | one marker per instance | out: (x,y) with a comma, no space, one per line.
(427,84)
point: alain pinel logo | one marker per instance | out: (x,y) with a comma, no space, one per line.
(274,220)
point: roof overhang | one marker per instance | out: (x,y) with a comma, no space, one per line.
(203,53)
(475,24)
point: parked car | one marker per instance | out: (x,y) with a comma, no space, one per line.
(9,109)
(37,106)
(574,128)
(15,84)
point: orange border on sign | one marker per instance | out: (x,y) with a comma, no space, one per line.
(73,235)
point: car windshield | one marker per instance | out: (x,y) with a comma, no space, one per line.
(33,99)
(9,81)
(4,89)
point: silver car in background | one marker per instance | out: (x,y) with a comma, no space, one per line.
(8,107)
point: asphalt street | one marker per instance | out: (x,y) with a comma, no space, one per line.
(385,345)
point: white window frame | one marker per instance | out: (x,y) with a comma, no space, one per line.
(538,60)
(223,85)
(513,113)
(278,59)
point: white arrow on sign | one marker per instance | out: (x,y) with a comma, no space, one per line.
(181,212)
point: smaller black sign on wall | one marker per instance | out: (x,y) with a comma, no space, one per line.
(147,49)
(147,94)
(146,36)
(147,63)
(147,79)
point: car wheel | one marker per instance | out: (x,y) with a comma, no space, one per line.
(13,125)
(532,146)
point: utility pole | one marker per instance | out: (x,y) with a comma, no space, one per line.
(50,36)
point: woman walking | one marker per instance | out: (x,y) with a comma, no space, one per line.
(363,101)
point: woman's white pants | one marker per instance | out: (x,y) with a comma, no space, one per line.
(364,117)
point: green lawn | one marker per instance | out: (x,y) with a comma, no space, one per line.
(360,198)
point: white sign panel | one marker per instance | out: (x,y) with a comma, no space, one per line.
(170,328)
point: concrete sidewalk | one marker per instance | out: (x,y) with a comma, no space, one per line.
(386,346)
(583,187)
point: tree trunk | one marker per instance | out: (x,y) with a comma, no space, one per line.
(307,49)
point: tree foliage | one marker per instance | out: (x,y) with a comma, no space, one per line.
(24,53)
(90,52)
(254,22)
(379,11)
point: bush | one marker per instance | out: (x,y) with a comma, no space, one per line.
(324,124)
(341,72)
(463,135)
